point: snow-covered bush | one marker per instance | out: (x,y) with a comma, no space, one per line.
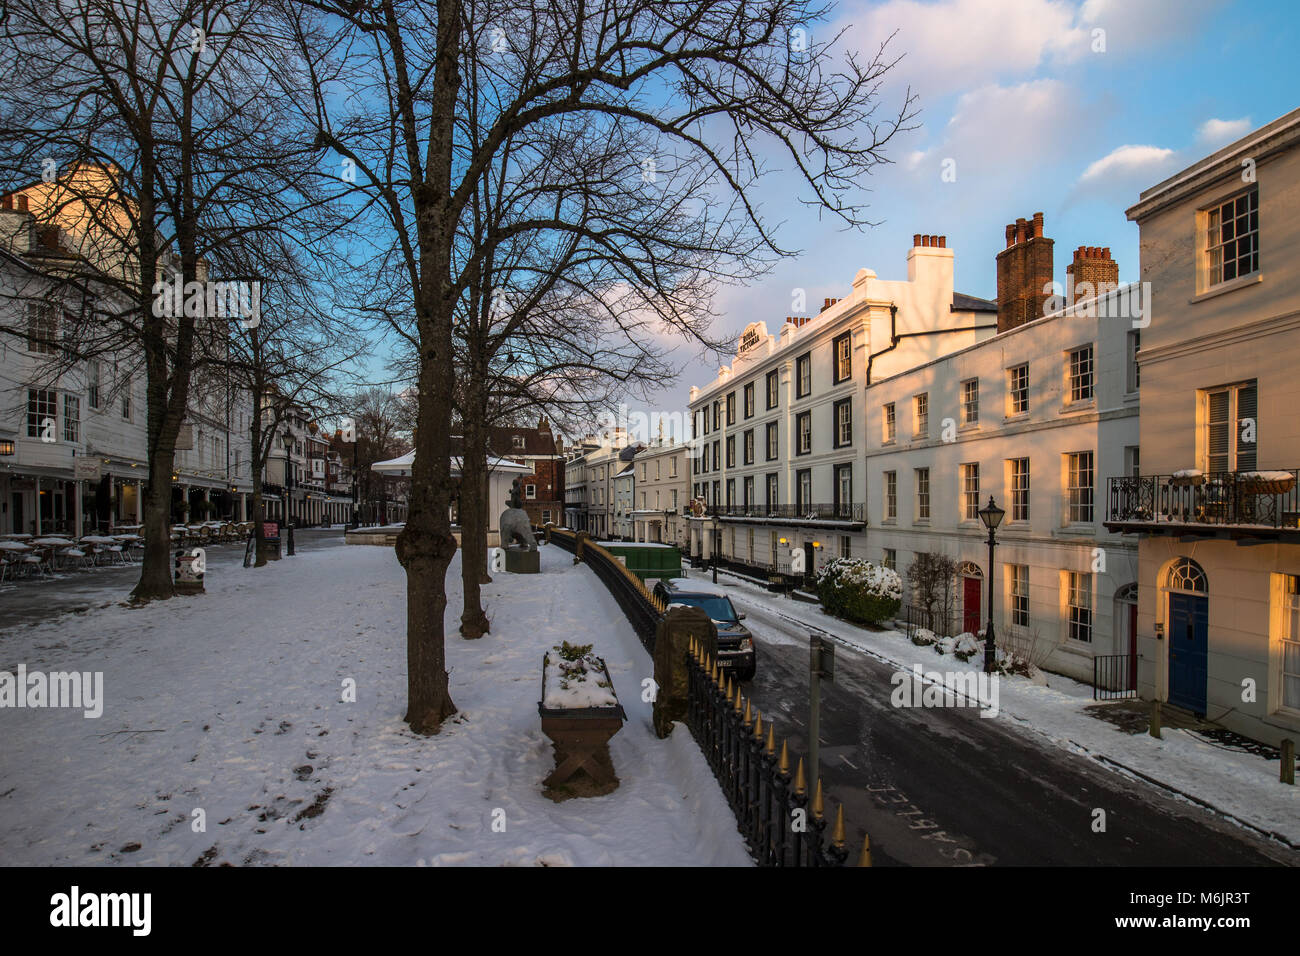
(967,645)
(858,590)
(923,637)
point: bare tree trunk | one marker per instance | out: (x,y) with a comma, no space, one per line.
(156,571)
(425,548)
(473,522)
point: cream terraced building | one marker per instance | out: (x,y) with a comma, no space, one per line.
(1030,418)
(1215,509)
(780,433)
(662,483)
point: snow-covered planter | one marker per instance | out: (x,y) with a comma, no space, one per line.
(1266,482)
(1187,478)
(858,590)
(580,712)
(573,678)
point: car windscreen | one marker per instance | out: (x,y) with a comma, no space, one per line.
(716,606)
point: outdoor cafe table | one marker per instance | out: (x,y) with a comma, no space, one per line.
(53,542)
(14,546)
(97,539)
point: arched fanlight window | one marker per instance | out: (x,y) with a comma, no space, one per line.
(969,569)
(1186,575)
(1128,594)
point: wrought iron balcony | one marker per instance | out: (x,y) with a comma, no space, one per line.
(793,514)
(1245,499)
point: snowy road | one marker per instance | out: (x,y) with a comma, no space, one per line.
(943,786)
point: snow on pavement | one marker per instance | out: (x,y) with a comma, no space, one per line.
(230,703)
(1242,785)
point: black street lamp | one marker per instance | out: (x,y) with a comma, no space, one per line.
(991,515)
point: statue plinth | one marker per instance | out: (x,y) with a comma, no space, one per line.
(519,561)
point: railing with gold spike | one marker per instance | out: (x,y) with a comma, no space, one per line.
(783,823)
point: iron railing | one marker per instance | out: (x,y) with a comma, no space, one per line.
(1114,676)
(855,513)
(783,824)
(935,620)
(1271,499)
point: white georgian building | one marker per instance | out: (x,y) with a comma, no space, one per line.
(1034,418)
(780,433)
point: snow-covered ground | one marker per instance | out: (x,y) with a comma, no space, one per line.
(231,703)
(1241,785)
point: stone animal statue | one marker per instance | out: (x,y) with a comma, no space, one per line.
(515,526)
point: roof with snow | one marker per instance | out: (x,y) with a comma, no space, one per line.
(402,466)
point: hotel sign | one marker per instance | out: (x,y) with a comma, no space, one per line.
(754,333)
(87,468)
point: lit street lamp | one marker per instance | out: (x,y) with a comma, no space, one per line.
(991,515)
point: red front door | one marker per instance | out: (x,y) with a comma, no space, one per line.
(970,604)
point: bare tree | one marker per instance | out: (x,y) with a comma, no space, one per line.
(701,90)
(147,133)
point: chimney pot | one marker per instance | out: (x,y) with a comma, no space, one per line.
(943,242)
(916,239)
(1011,235)
(1022,232)
(1038,225)
(1105,252)
(925,241)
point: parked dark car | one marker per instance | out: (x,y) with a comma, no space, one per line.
(735,643)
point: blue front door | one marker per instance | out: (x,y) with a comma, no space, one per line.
(1189,640)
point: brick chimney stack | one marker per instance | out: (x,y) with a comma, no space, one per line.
(1024,271)
(1094,272)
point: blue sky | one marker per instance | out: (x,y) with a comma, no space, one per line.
(1035,120)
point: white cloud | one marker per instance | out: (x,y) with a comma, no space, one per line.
(998,130)
(1124,162)
(957,44)
(1219,132)
(951,45)
(1134,24)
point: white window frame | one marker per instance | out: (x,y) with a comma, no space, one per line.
(1081,375)
(970,401)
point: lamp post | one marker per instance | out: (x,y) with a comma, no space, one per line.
(713,550)
(991,515)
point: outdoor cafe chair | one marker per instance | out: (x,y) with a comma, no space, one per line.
(11,563)
(75,556)
(38,562)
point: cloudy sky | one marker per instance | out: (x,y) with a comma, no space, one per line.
(1035,120)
